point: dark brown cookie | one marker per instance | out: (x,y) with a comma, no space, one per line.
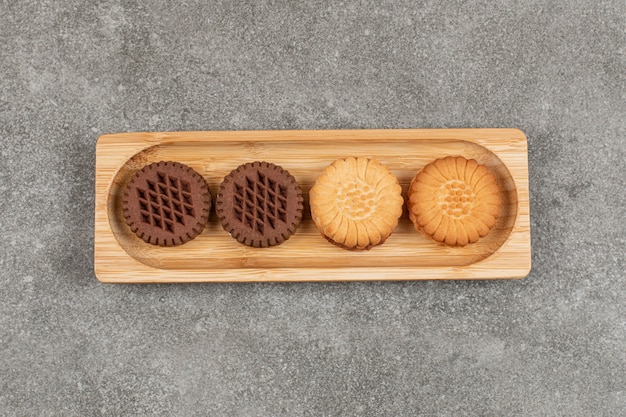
(260,204)
(167,203)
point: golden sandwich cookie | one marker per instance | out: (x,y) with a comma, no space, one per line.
(454,200)
(356,203)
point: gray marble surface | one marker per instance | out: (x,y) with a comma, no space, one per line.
(551,344)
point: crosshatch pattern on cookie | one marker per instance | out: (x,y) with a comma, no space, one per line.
(260,202)
(164,203)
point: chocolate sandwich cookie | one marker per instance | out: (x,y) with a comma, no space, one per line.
(259,204)
(167,203)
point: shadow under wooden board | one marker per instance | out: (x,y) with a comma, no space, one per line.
(121,257)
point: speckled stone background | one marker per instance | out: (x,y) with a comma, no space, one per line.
(552,344)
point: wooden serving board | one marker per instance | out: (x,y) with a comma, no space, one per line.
(121,257)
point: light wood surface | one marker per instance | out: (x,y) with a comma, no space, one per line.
(121,257)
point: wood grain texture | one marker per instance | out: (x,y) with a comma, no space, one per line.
(121,257)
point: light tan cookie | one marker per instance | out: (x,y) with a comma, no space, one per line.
(454,200)
(356,203)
